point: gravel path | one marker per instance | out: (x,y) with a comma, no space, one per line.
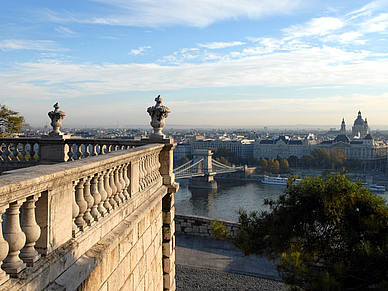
(190,279)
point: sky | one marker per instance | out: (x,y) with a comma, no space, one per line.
(214,62)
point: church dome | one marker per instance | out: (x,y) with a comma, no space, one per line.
(342,138)
(359,120)
(368,136)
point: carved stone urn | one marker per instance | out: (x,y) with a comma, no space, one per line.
(158,114)
(56,117)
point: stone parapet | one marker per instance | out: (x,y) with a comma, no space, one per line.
(102,223)
(199,225)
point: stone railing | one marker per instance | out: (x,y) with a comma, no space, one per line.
(24,152)
(199,225)
(58,218)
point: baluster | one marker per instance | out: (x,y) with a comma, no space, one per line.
(89,200)
(1,151)
(78,152)
(102,149)
(126,182)
(71,152)
(141,173)
(104,195)
(16,152)
(94,149)
(7,152)
(152,168)
(3,249)
(117,185)
(31,152)
(24,153)
(31,229)
(82,204)
(96,197)
(15,238)
(108,204)
(75,210)
(39,153)
(122,183)
(86,151)
(157,166)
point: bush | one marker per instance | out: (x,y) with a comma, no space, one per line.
(324,234)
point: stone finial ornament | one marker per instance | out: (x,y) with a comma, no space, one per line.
(158,114)
(56,117)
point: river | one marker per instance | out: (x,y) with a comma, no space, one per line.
(225,201)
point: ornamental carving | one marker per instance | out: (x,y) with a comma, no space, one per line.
(56,117)
(158,114)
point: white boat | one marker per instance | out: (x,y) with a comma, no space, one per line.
(374,187)
(377,188)
(276,180)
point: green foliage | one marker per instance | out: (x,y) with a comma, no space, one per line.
(183,161)
(324,234)
(263,165)
(284,167)
(10,121)
(293,161)
(219,229)
(230,156)
(307,160)
(273,166)
(223,161)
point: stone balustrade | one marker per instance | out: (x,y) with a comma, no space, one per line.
(58,218)
(18,153)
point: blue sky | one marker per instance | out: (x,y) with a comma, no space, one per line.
(223,63)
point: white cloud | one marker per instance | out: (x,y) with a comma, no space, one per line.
(25,44)
(315,27)
(220,45)
(139,51)
(376,24)
(201,13)
(351,37)
(64,30)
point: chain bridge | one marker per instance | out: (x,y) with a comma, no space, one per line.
(203,165)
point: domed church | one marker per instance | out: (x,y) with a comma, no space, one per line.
(360,145)
(360,127)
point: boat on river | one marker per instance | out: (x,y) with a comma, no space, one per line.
(375,187)
(276,180)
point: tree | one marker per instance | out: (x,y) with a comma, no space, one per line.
(273,166)
(353,163)
(323,234)
(337,158)
(224,161)
(307,160)
(284,167)
(293,161)
(183,161)
(263,165)
(10,121)
(322,157)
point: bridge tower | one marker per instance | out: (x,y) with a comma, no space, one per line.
(206,181)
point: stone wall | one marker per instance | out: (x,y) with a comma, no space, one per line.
(199,225)
(106,223)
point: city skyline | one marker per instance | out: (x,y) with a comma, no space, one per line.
(215,63)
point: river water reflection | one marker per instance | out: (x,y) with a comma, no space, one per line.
(225,201)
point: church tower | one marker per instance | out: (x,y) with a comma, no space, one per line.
(343,127)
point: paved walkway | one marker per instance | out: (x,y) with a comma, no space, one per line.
(208,253)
